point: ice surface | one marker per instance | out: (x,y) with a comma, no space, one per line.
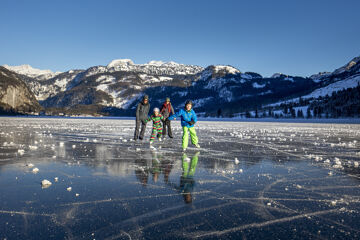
(250,180)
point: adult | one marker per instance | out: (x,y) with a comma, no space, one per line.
(142,112)
(166,109)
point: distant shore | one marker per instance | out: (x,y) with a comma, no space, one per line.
(211,119)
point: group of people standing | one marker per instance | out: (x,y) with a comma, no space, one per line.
(162,121)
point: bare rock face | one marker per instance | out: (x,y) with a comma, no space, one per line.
(15,96)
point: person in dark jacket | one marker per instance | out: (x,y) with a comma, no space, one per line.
(165,111)
(142,112)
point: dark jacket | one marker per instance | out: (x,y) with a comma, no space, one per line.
(142,111)
(166,110)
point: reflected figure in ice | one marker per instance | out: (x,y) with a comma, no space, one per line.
(142,171)
(166,167)
(187,181)
(156,168)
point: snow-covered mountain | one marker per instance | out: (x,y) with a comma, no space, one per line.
(153,67)
(117,87)
(121,82)
(29,71)
(342,78)
(15,96)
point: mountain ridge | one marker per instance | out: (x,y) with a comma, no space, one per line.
(118,86)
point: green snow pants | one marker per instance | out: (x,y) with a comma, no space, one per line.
(185,137)
(189,167)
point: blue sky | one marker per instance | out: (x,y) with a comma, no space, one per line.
(289,36)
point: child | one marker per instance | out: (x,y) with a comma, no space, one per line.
(188,119)
(157,126)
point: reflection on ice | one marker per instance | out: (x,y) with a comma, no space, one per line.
(250,180)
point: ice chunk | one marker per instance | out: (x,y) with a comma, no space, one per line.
(69,189)
(35,170)
(21,151)
(56,179)
(237,161)
(30,165)
(76,195)
(45,183)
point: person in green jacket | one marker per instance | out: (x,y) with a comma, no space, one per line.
(157,118)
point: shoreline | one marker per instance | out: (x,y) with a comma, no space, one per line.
(211,119)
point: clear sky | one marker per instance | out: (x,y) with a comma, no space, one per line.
(295,37)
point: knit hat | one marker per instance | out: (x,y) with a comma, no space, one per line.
(146,97)
(156,110)
(167,99)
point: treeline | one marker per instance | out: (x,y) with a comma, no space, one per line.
(343,103)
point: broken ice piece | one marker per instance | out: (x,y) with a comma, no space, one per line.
(56,179)
(298,186)
(45,183)
(333,203)
(21,151)
(269,204)
(240,170)
(30,165)
(35,170)
(76,195)
(69,189)
(236,161)
(330,173)
(74,146)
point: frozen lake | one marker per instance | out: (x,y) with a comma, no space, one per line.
(249,180)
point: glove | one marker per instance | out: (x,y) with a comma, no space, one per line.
(191,122)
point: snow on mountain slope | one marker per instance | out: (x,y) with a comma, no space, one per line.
(336,86)
(152,68)
(317,77)
(52,86)
(32,72)
(229,69)
(350,82)
(256,85)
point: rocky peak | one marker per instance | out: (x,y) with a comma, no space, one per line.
(15,96)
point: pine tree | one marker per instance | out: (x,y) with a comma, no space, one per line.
(300,113)
(308,113)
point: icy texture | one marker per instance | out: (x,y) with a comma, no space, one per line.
(249,181)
